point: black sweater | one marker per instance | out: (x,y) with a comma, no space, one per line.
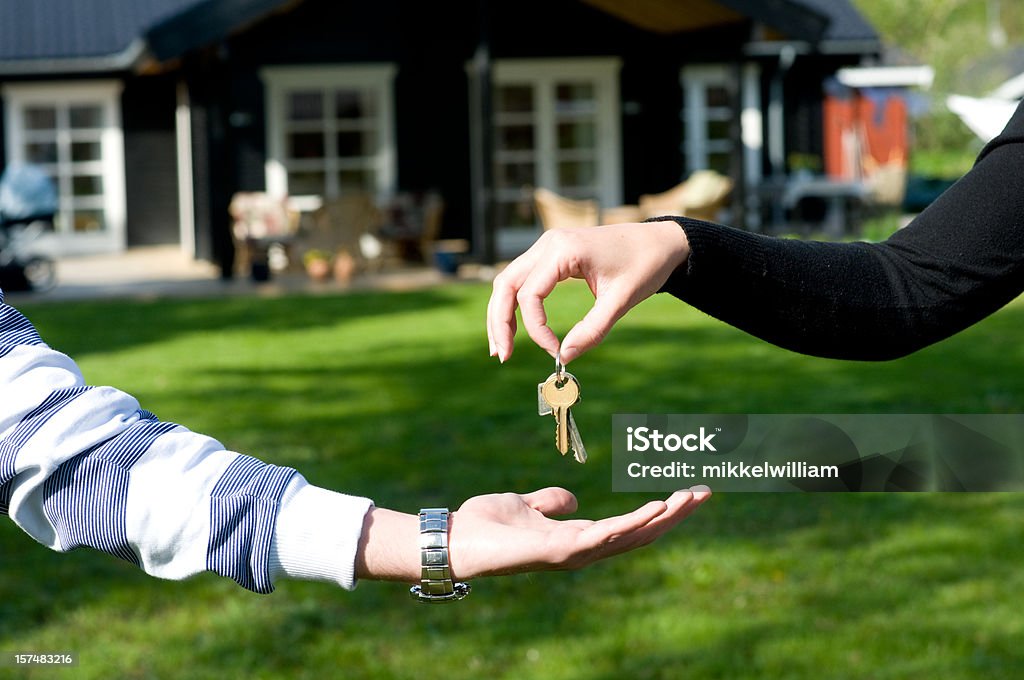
(956,263)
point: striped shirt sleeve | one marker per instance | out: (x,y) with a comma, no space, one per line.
(84,466)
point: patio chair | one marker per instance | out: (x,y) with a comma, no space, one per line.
(347,223)
(260,221)
(412,223)
(701,197)
(556,211)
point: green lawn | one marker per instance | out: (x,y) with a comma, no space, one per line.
(373,393)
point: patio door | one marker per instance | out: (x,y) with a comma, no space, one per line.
(556,125)
(707,116)
(73,132)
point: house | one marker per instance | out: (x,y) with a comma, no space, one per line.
(151,114)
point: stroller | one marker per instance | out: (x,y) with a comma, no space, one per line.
(28,203)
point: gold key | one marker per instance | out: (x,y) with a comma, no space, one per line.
(561,395)
(556,396)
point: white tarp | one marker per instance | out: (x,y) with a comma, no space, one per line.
(986,117)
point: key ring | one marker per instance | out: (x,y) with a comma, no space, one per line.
(559,369)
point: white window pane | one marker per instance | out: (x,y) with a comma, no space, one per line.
(577,135)
(356,179)
(86,221)
(87,185)
(355,143)
(577,174)
(85,117)
(516,214)
(575,98)
(306,105)
(306,182)
(305,145)
(514,99)
(515,174)
(354,105)
(515,138)
(41,152)
(40,118)
(84,151)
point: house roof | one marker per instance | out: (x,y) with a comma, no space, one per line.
(77,35)
(46,36)
(844,21)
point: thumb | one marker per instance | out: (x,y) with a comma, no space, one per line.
(551,501)
(592,328)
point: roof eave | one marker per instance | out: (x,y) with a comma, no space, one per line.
(207,23)
(125,60)
(768,48)
(797,21)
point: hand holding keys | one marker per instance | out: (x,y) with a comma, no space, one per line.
(556,396)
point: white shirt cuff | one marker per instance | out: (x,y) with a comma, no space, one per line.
(317,534)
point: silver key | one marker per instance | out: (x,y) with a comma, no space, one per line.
(561,394)
(578,452)
(543,407)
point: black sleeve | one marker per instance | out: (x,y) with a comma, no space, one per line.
(956,263)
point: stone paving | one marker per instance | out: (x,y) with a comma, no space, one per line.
(164,271)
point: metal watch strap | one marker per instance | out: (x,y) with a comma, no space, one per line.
(436,577)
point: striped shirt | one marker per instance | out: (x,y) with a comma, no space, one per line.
(88,466)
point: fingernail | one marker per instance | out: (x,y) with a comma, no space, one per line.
(568,354)
(700,488)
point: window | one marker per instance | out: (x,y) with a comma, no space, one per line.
(73,131)
(330,130)
(707,118)
(556,125)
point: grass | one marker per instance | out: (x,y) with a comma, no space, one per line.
(392,395)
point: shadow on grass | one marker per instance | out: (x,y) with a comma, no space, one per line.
(83,328)
(754,585)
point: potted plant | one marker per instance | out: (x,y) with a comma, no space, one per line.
(318,264)
(344,266)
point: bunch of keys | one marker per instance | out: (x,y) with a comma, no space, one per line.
(556,396)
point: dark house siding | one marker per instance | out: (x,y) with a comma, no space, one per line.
(150,157)
(432,44)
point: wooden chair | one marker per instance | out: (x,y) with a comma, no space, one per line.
(259,221)
(701,197)
(346,223)
(556,211)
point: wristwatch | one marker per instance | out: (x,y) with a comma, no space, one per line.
(436,577)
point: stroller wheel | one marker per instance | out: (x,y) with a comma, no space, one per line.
(40,272)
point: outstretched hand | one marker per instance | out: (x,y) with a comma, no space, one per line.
(623,264)
(510,533)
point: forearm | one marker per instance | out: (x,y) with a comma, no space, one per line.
(957,262)
(86,466)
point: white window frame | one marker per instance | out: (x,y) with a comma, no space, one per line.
(696,113)
(542,75)
(107,95)
(279,80)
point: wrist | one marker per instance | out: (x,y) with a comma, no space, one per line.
(387,548)
(437,584)
(672,241)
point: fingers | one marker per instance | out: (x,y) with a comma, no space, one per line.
(620,534)
(501,315)
(524,283)
(551,501)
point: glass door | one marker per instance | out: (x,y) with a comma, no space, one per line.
(556,125)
